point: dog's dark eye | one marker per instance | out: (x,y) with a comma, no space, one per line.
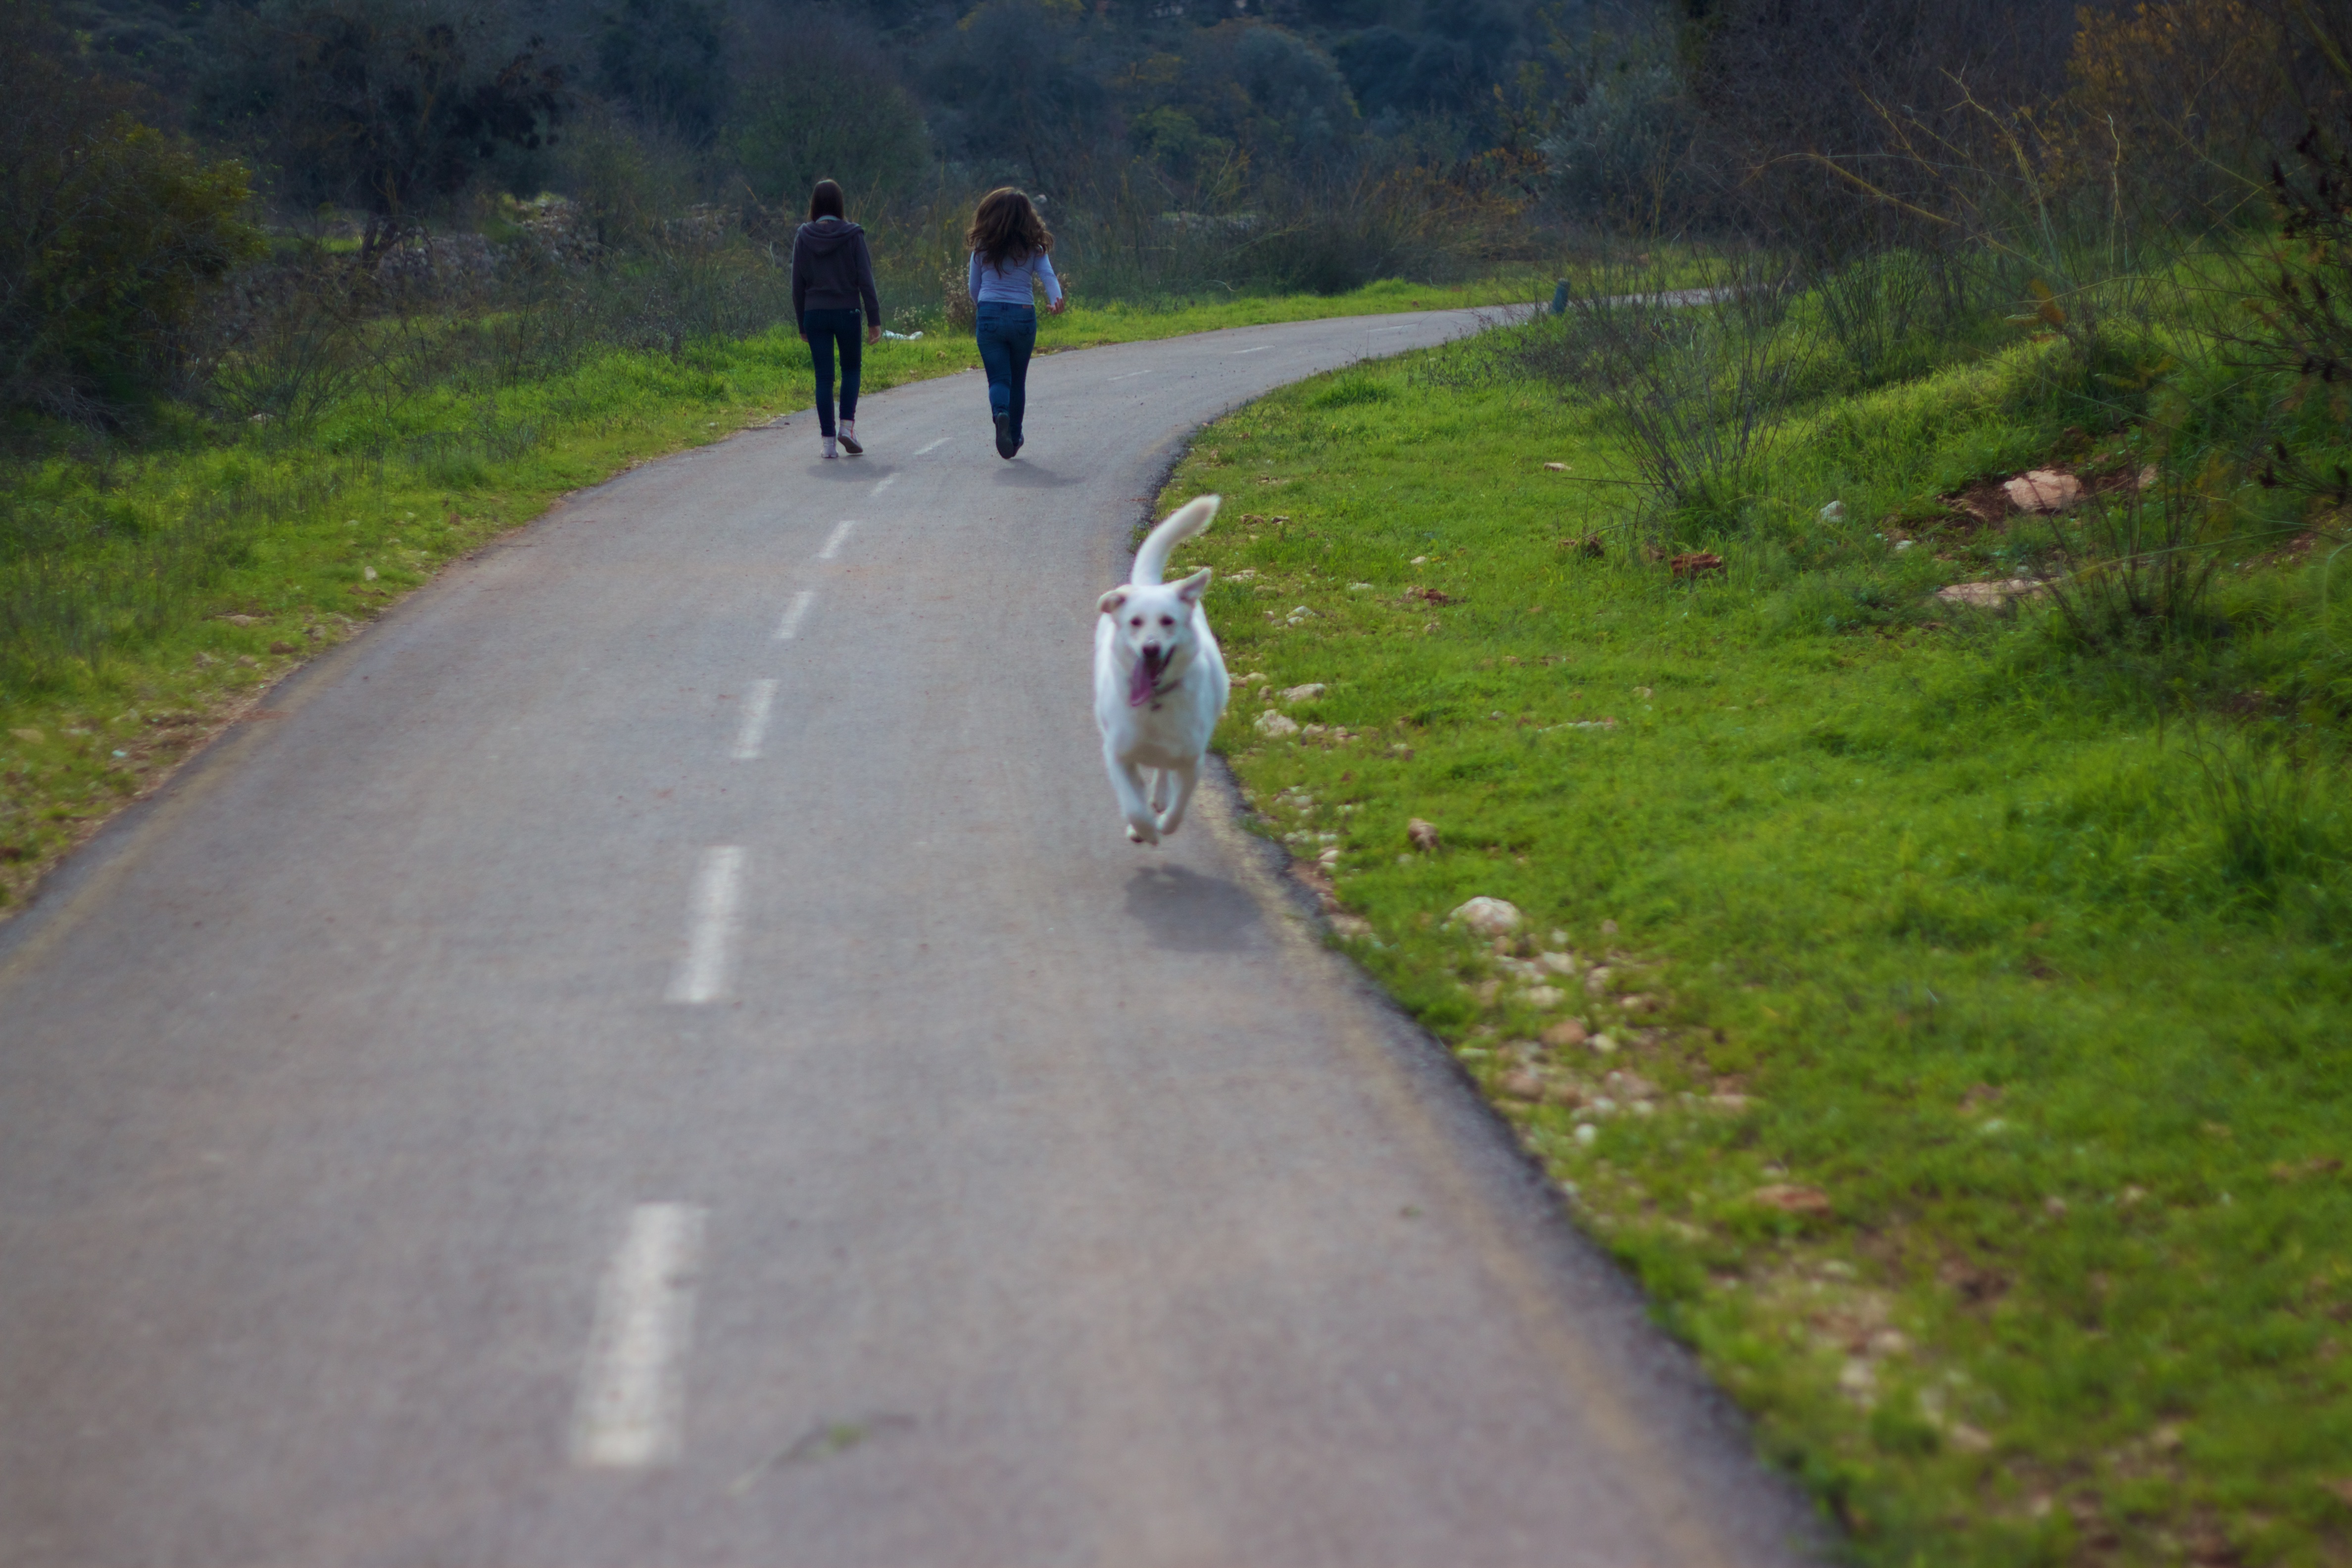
(1167,620)
(1136,622)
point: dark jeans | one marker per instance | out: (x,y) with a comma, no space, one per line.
(1008,336)
(824,329)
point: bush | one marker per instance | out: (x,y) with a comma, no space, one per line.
(109,232)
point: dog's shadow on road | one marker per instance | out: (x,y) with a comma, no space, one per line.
(1192,913)
(1030,477)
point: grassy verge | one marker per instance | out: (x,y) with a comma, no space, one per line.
(148,593)
(1947,1022)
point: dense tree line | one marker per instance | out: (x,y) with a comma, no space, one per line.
(1304,143)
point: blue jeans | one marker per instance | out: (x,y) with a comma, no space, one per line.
(824,329)
(1008,336)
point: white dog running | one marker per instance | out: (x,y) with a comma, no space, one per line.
(1159,680)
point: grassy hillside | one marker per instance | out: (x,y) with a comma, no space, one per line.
(149,589)
(1943,1008)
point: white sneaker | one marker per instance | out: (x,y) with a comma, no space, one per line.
(849,438)
(828,448)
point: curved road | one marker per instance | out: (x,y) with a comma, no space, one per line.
(660,1053)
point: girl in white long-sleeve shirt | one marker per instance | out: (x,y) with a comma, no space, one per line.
(1009,245)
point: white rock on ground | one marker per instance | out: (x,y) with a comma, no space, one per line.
(1275,725)
(1306,693)
(2044,489)
(1989,596)
(1488,916)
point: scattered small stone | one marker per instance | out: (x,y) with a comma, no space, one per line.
(1306,693)
(1567,1031)
(1521,1084)
(1608,928)
(1791,1198)
(1351,926)
(1556,467)
(2043,491)
(1275,725)
(1834,512)
(1424,835)
(242,620)
(1543,996)
(1586,1133)
(1989,596)
(367,574)
(1602,1046)
(30,737)
(1558,962)
(1359,587)
(1890,1342)
(1969,1439)
(1486,917)
(1631,1086)
(1903,544)
(2054,1207)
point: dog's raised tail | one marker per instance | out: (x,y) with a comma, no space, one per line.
(1191,518)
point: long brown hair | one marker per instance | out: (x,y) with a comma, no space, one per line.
(825,200)
(1006,228)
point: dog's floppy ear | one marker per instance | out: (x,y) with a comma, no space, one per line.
(1190,589)
(1109,603)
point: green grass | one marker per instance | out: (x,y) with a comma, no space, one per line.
(2013,977)
(147,590)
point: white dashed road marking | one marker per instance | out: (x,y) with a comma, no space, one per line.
(754,729)
(791,624)
(711,921)
(884,483)
(632,1397)
(1130,375)
(1259,350)
(833,543)
(934,446)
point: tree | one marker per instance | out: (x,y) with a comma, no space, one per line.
(668,60)
(390,106)
(109,232)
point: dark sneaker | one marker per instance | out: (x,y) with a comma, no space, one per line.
(1005,445)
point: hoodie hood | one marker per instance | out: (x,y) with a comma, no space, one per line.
(827,236)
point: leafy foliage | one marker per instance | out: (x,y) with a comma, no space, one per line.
(110,231)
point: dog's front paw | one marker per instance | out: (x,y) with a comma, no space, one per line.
(1169,821)
(1143,832)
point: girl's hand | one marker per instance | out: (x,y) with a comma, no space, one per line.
(1055,308)
(873,332)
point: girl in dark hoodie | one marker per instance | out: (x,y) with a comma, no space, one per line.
(832,275)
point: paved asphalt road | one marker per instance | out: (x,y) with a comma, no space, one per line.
(660,1052)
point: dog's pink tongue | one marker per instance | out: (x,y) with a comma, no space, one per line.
(1141,682)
